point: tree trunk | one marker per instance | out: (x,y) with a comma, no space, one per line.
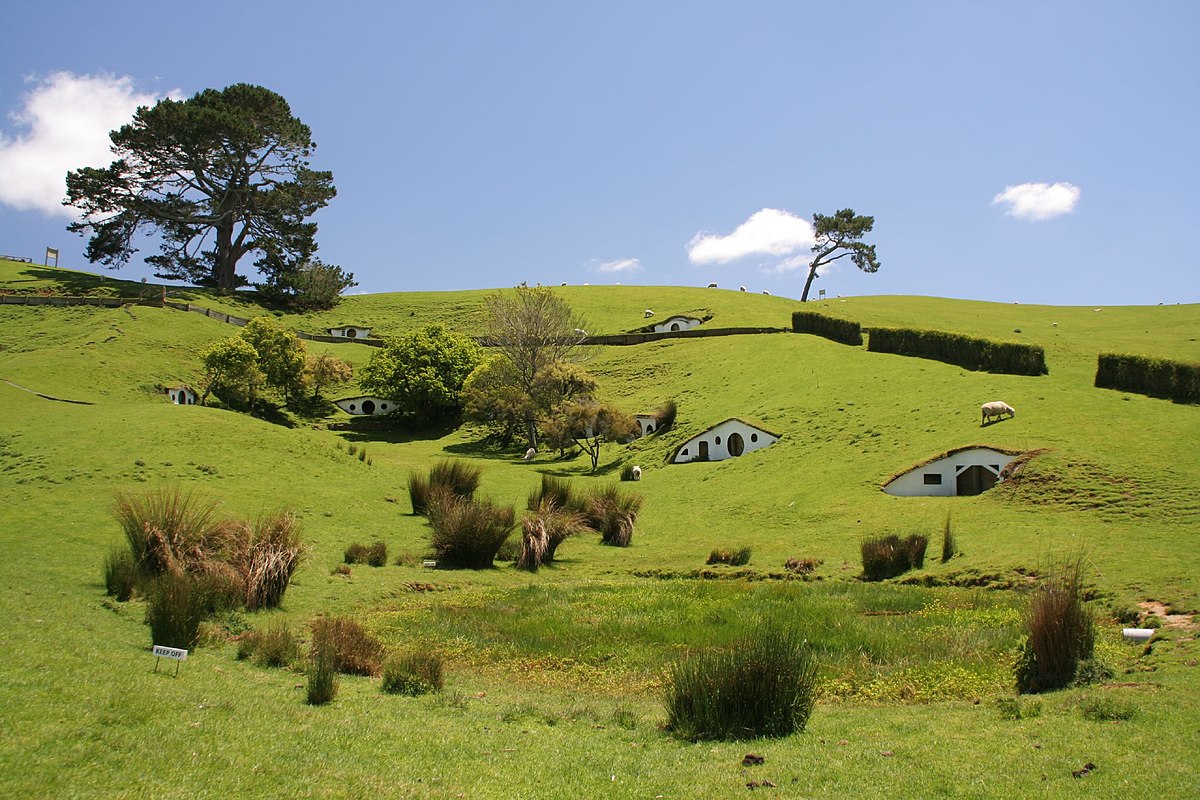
(225,266)
(812,273)
(531,431)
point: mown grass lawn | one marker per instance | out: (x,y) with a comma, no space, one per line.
(554,679)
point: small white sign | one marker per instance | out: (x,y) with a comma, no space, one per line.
(170,652)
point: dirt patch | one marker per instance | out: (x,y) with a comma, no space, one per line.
(1179,622)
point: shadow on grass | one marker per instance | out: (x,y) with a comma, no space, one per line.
(377,429)
(583,470)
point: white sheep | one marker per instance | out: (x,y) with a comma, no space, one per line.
(741,288)
(530,453)
(580,332)
(997,409)
(637,473)
(648,312)
(712,286)
(768,294)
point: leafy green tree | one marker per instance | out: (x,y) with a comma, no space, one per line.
(534,328)
(491,396)
(423,372)
(280,354)
(325,370)
(219,176)
(838,236)
(590,424)
(312,286)
(231,372)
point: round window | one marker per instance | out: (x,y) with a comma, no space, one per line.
(736,445)
(383,406)
(718,440)
(351,333)
(353,407)
(754,437)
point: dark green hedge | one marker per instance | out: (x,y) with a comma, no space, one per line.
(839,330)
(968,352)
(1156,377)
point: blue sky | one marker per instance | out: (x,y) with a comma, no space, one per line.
(1039,152)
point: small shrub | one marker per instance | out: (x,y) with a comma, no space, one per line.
(340,569)
(274,647)
(802,566)
(120,574)
(948,544)
(543,530)
(362,455)
(734,558)
(355,651)
(1092,670)
(1012,708)
(533,543)
(612,514)
(1061,633)
(1106,709)
(377,555)
(322,667)
(468,533)
(413,674)
(356,553)
(556,492)
(765,685)
(267,556)
(889,556)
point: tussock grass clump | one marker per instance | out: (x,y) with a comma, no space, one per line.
(413,674)
(802,566)
(664,417)
(888,556)
(457,477)
(1106,709)
(166,528)
(764,685)
(556,492)
(949,546)
(734,558)
(120,574)
(612,514)
(321,669)
(355,651)
(467,534)
(1061,633)
(265,555)
(543,530)
(375,555)
(176,604)
(627,472)
(276,646)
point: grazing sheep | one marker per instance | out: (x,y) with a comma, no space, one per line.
(741,288)
(997,409)
(637,473)
(530,453)
(768,294)
(712,286)
(648,313)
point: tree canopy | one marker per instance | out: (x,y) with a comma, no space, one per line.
(534,329)
(220,175)
(838,236)
(423,372)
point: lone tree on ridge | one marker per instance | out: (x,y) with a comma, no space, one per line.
(841,232)
(220,175)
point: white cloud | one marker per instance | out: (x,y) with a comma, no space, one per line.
(67,119)
(621,265)
(769,232)
(795,263)
(1037,201)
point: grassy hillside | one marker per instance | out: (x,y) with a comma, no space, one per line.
(553,677)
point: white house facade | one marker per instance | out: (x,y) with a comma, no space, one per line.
(678,322)
(350,332)
(182,396)
(966,471)
(647,423)
(366,406)
(728,439)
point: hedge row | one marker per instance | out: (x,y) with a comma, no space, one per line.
(968,352)
(1155,377)
(839,330)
